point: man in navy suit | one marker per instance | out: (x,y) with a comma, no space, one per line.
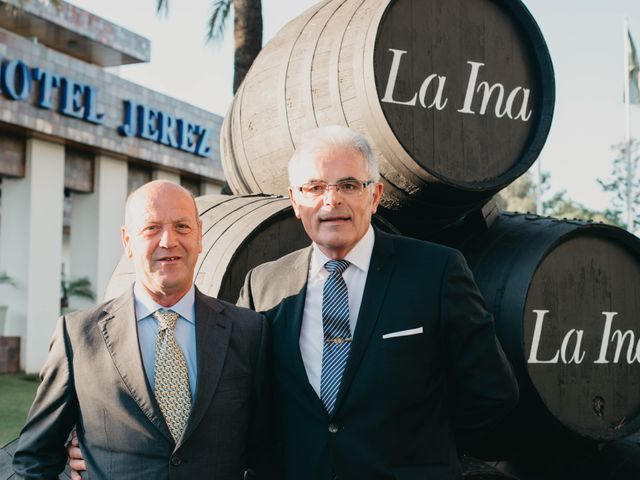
(383,351)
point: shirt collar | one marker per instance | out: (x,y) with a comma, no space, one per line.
(145,305)
(359,255)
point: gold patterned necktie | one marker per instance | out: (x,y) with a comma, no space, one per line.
(171,377)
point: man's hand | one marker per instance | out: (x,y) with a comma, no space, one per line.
(76,460)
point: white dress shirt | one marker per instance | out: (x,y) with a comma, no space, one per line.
(355,276)
(184,332)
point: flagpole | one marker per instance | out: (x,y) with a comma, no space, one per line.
(539,188)
(627,129)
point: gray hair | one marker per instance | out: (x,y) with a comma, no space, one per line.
(318,140)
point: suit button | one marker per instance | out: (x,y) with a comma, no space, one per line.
(333,428)
(175,460)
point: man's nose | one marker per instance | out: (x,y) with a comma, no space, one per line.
(167,239)
(331,196)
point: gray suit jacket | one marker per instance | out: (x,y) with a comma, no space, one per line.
(94,379)
(403,397)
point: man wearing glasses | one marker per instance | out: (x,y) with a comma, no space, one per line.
(383,351)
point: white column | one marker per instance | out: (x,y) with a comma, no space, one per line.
(14,230)
(159,174)
(209,188)
(96,218)
(31,250)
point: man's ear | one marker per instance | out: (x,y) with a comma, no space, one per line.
(294,203)
(378,189)
(125,241)
(199,236)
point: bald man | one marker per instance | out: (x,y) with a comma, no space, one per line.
(161,382)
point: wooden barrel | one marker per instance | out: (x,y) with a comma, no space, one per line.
(239,233)
(456,97)
(565,296)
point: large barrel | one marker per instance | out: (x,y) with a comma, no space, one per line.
(565,296)
(239,233)
(456,97)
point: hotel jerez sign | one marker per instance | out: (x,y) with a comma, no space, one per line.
(80,101)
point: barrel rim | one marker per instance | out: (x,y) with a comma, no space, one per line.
(628,242)
(511,301)
(523,18)
(259,201)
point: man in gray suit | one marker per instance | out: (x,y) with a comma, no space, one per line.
(161,382)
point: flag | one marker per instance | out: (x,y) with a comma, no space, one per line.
(634,70)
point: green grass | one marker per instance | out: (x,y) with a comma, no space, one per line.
(17,393)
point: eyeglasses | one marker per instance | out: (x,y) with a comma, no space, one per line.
(351,188)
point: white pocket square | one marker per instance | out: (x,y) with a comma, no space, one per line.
(403,333)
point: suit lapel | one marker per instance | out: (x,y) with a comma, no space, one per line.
(120,334)
(213,331)
(293,310)
(380,270)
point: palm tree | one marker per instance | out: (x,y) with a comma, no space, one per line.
(247,31)
(6,279)
(80,287)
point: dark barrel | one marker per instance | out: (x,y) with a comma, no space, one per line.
(239,233)
(565,296)
(617,460)
(456,97)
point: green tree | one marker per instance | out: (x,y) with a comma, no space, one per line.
(561,206)
(618,186)
(521,195)
(79,287)
(6,279)
(247,31)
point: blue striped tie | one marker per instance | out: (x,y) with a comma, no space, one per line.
(337,334)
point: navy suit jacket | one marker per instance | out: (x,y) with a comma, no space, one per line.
(403,399)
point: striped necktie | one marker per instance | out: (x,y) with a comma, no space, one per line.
(337,334)
(171,375)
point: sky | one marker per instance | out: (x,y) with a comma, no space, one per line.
(584,37)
